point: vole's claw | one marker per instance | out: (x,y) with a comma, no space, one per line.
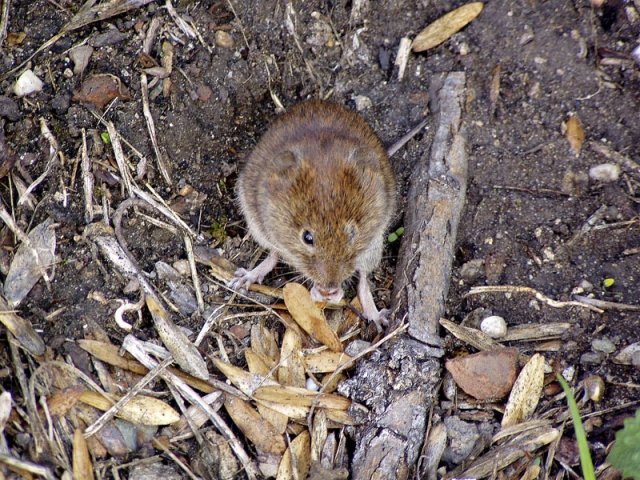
(381,318)
(243,279)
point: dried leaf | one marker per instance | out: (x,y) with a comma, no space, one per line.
(445,26)
(111,354)
(140,409)
(326,361)
(259,432)
(82,467)
(246,382)
(307,314)
(21,329)
(525,393)
(184,352)
(291,369)
(301,397)
(575,134)
(264,344)
(63,400)
(100,89)
(294,412)
(30,261)
(300,450)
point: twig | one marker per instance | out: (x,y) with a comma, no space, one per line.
(109,414)
(53,155)
(412,133)
(87,181)
(164,171)
(531,291)
(607,305)
(4,20)
(125,173)
(532,191)
(188,245)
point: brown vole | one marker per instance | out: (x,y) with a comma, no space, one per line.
(318,191)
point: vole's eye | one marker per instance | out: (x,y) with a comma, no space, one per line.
(307,238)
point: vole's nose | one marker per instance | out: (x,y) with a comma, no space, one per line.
(328,292)
(320,293)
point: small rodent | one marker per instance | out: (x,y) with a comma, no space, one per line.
(318,192)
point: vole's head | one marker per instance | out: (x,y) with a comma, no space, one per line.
(326,217)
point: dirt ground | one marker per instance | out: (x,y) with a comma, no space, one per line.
(529,195)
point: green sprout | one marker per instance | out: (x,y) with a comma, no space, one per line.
(394,236)
(105,138)
(608,282)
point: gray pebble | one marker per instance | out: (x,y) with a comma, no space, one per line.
(9,109)
(591,358)
(603,345)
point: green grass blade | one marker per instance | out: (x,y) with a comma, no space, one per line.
(581,437)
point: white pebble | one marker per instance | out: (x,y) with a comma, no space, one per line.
(311,385)
(27,84)
(494,326)
(605,172)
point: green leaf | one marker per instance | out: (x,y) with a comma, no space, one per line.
(105,138)
(624,454)
(608,282)
(581,437)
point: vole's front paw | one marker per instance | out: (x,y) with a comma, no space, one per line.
(244,279)
(380,318)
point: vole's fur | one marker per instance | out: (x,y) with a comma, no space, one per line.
(319,171)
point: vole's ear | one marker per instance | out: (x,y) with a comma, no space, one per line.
(365,157)
(285,160)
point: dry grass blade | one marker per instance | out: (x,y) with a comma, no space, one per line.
(133,346)
(445,26)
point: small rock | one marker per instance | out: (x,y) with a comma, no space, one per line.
(61,103)
(486,375)
(635,360)
(110,37)
(574,183)
(462,437)
(594,387)
(603,345)
(362,102)
(471,271)
(355,347)
(223,39)
(494,326)
(166,272)
(605,172)
(9,109)
(182,267)
(204,93)
(27,84)
(627,353)
(591,358)
(586,285)
(80,57)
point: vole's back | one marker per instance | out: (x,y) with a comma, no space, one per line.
(318,189)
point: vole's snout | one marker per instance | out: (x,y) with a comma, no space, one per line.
(320,293)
